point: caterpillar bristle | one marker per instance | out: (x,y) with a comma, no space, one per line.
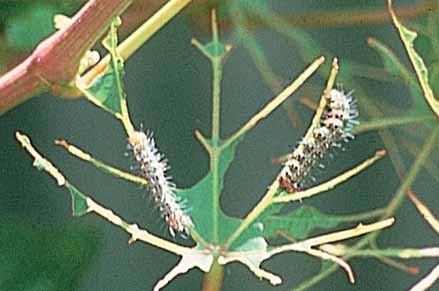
(153,166)
(337,121)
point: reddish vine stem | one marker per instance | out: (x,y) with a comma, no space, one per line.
(18,85)
(54,64)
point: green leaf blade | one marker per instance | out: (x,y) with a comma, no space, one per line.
(103,92)
(107,91)
(200,198)
(300,223)
(79,202)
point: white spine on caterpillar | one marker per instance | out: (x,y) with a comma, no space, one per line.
(336,124)
(153,167)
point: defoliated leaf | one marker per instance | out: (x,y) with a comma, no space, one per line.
(203,199)
(299,223)
(200,199)
(111,40)
(103,92)
(202,261)
(252,253)
(408,37)
(30,25)
(107,91)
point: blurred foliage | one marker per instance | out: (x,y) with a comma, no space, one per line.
(44,257)
(24,23)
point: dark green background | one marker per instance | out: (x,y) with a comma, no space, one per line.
(168,82)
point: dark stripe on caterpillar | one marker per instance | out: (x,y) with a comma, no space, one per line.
(153,167)
(336,123)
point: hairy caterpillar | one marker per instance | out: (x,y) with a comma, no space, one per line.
(336,124)
(153,167)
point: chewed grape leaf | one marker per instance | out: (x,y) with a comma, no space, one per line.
(297,224)
(203,198)
(394,66)
(103,92)
(43,258)
(300,223)
(408,38)
(107,90)
(187,262)
(200,198)
(79,201)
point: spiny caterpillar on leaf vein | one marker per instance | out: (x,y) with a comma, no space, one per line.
(153,167)
(338,118)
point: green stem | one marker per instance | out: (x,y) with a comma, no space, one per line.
(216,94)
(412,174)
(214,159)
(399,253)
(132,43)
(391,122)
(215,52)
(115,58)
(216,58)
(142,34)
(391,208)
(216,150)
(99,164)
(316,279)
(362,216)
(388,140)
(331,269)
(267,199)
(214,278)
(217,71)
